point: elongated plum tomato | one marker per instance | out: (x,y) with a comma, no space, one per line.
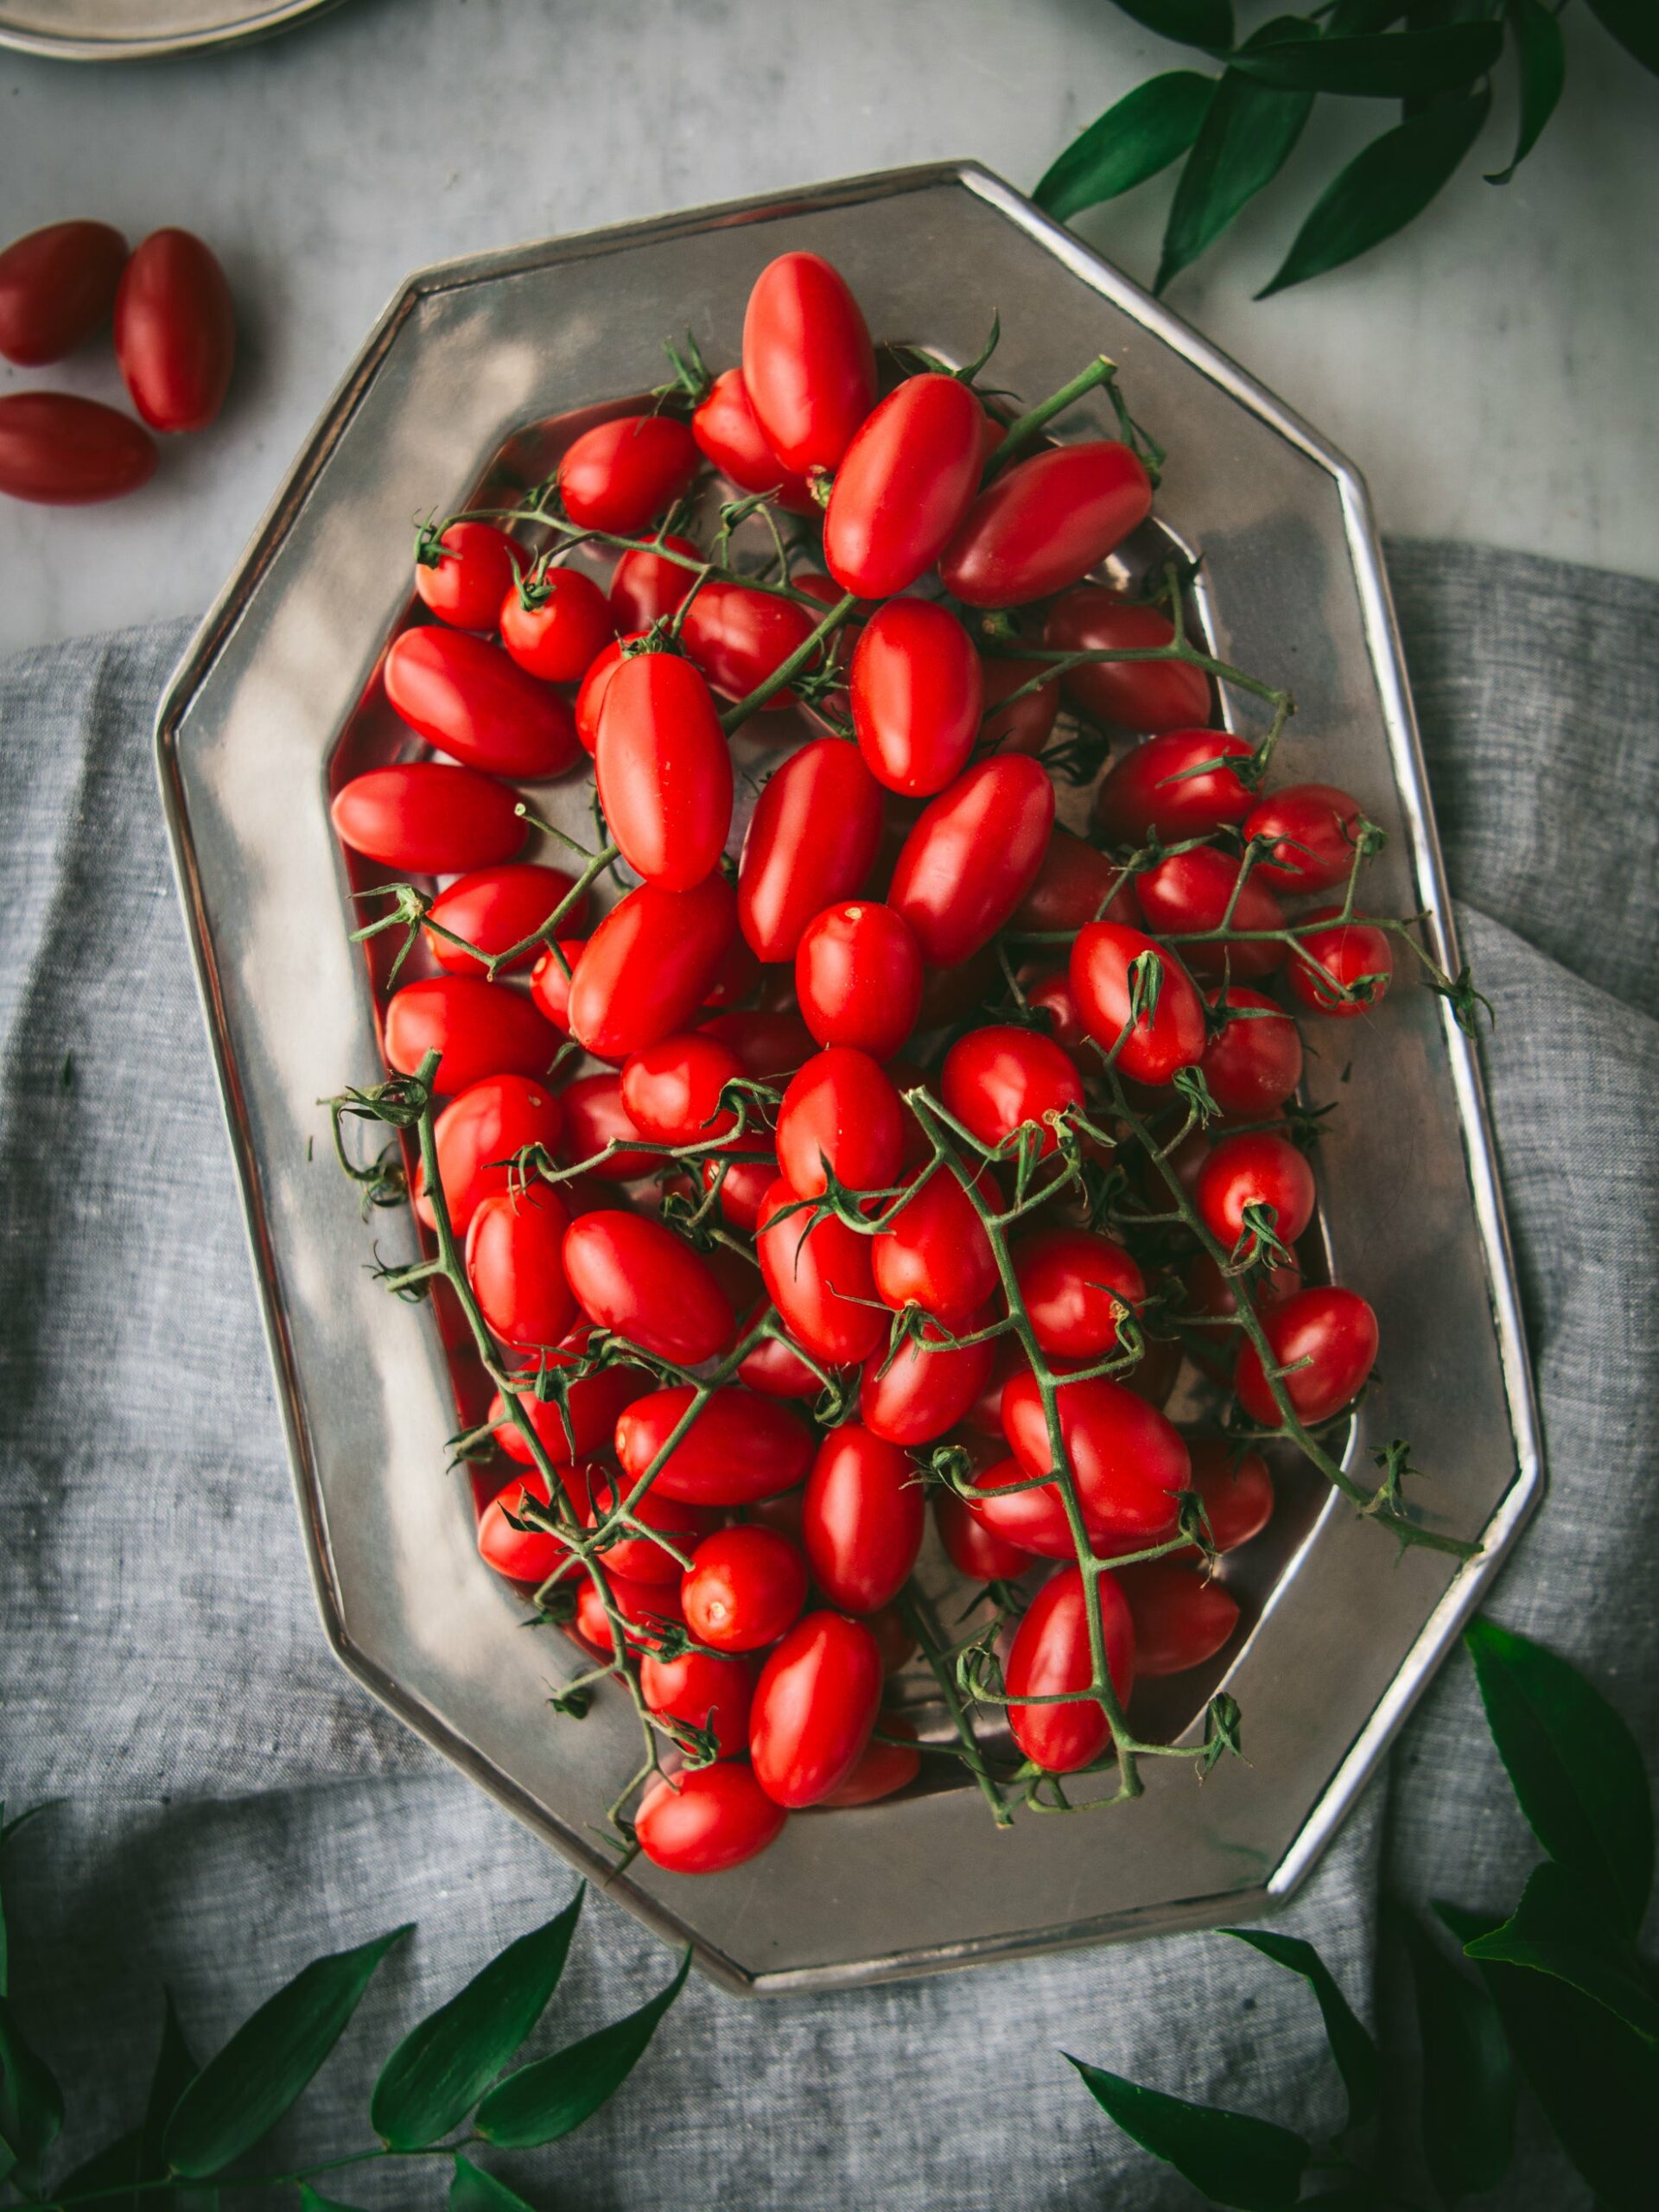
(934,1252)
(1179,1619)
(174,331)
(643,1558)
(858,977)
(974,1548)
(1024,725)
(774,1366)
(635,1277)
(917,694)
(1048,991)
(427,818)
(1253,1061)
(1142,695)
(728,432)
(514,1267)
(881,1770)
(743,1588)
(812,840)
(590,699)
(772,1046)
(559,635)
(465,697)
(738,636)
(702,1692)
(1076,884)
(646,587)
(996,1079)
(58,450)
(1077,1284)
(476,1028)
(808,367)
(707,1820)
(973,855)
(594,1120)
(1045,522)
(56,286)
(522,1555)
(1355,965)
(741,1447)
(1165,1036)
(820,1280)
(1161,788)
(927,1386)
(1256,1169)
(814,1707)
(619,475)
(903,485)
(584,1424)
(647,1608)
(1314,827)
(672,1089)
(664,773)
(841,1116)
(1194,891)
(1051,1654)
(1128,1460)
(1334,1332)
(1235,1488)
(648,966)
(477,1137)
(493,909)
(463,575)
(862,1519)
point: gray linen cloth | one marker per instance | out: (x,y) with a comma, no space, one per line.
(234,1805)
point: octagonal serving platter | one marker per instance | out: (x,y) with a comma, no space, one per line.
(475,369)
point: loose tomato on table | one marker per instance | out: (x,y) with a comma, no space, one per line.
(57,285)
(811,841)
(814,1707)
(1141,695)
(862,1518)
(740,1446)
(808,367)
(999,1078)
(477,1137)
(463,573)
(1183,783)
(1044,521)
(707,1820)
(465,697)
(493,909)
(840,1116)
(1327,1338)
(621,475)
(858,977)
(647,586)
(514,1265)
(1153,1032)
(727,431)
(1342,972)
(819,1277)
(476,1028)
(743,1588)
(635,1278)
(1254,1172)
(648,966)
(555,627)
(973,855)
(1180,1616)
(174,331)
(1052,1653)
(663,771)
(1253,1062)
(932,1251)
(917,696)
(902,486)
(58,450)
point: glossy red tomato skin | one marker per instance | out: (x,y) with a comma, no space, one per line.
(934,1252)
(1149,696)
(174,331)
(743,1185)
(1051,1654)
(1255,1169)
(559,638)
(642,1559)
(707,1820)
(740,1448)
(996,1078)
(1152,790)
(1075,1283)
(811,841)
(1313,827)
(728,433)
(858,977)
(1254,1062)
(58,450)
(1235,1487)
(1048,992)
(903,486)
(1126,1459)
(738,636)
(1045,522)
(648,966)
(477,1135)
(648,586)
(476,565)
(808,367)
(704,1693)
(841,1114)
(664,772)
(862,1519)
(1209,1291)
(672,1088)
(590,699)
(522,1554)
(465,697)
(881,1770)
(814,1707)
(57,285)
(427,818)
(1076,884)
(973,856)
(775,1367)
(619,475)
(514,1265)
(494,908)
(917,694)
(973,1548)
(1179,1619)
(1349,955)
(584,1425)
(1193,891)
(595,1117)
(647,1608)
(820,1280)
(638,1278)
(1164,1040)
(477,1029)
(927,1386)
(743,1588)
(1333,1329)
(1027,725)
(772,1046)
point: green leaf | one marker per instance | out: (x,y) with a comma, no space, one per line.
(1246,139)
(1540,54)
(1236,2160)
(312,2200)
(1147,130)
(31,2103)
(1354,18)
(248,2086)
(1393,66)
(1634,23)
(112,2167)
(473,2190)
(443,2066)
(1191,22)
(1555,1930)
(550,2098)
(1574,1765)
(1385,186)
(1350,2043)
(1468,2076)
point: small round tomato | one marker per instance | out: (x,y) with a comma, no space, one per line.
(1342,972)
(619,475)
(477,1137)
(522,1553)
(663,771)
(926,1386)
(1022,724)
(738,635)
(818,1275)
(1314,828)
(973,855)
(465,697)
(1166,787)
(841,1116)
(586,1422)
(1180,1617)
(808,367)
(707,1820)
(477,1029)
(492,909)
(1167,1034)
(1127,1461)
(590,699)
(647,586)
(595,1118)
(858,977)
(638,1278)
(902,488)
(426,818)
(671,1090)
(1327,1336)
(556,628)
(1235,1489)
(728,433)
(917,696)
(1141,694)
(1052,1654)
(882,1769)
(933,1251)
(743,1588)
(995,1080)
(814,1707)
(174,331)
(1075,884)
(862,1518)
(743,1184)
(1255,1172)
(974,1548)
(463,576)
(58,450)
(811,841)
(1195,891)
(707,1695)
(57,285)
(1045,522)
(648,966)
(1078,1286)
(514,1266)
(740,1448)
(1254,1062)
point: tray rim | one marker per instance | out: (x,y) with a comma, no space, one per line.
(240,27)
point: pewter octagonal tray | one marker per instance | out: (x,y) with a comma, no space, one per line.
(470,361)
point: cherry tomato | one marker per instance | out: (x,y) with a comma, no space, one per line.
(917,695)
(1180,1618)
(594,1118)
(619,475)
(494,908)
(973,856)
(522,1555)
(477,1137)
(550,979)
(57,286)
(1211,1291)
(426,818)
(586,1422)
(1050,1654)
(642,1559)
(740,1448)
(926,1386)
(648,966)
(1025,725)
(1154,791)
(1194,891)
(463,575)
(477,1028)
(775,1367)
(463,694)
(972,1547)
(561,635)
(647,588)
(1334,1332)
(1045,522)
(671,1090)
(727,431)
(996,1079)
(818,1275)
(707,1820)
(647,1607)
(933,1251)
(902,488)
(1143,695)
(1235,1487)
(58,450)
(808,367)
(841,1116)
(1166,1036)
(1076,884)
(743,1588)
(858,977)
(881,1770)
(1254,1062)
(1351,957)
(1127,1461)
(1257,1169)
(638,1278)
(514,1267)
(1314,827)
(811,841)
(738,635)
(772,1046)
(743,1184)
(1049,992)
(174,331)
(814,1707)
(705,1693)
(664,773)
(862,1519)
(1077,1286)
(590,699)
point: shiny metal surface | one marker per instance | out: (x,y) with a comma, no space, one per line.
(140,30)
(472,356)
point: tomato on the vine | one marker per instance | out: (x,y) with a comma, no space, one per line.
(1078,1286)
(882,1769)
(476,1028)
(999,1078)
(1314,828)
(635,1278)
(814,1707)
(463,574)
(1253,1062)
(1046,521)
(739,1447)
(973,855)
(1180,1618)
(647,586)
(619,475)
(725,428)
(648,966)
(738,635)
(743,1588)
(1022,723)
(514,1265)
(1128,988)
(819,1274)
(1207,890)
(595,1118)
(1234,1487)
(811,841)
(1326,1337)
(858,977)
(902,488)
(664,772)
(862,1518)
(427,818)
(672,1088)
(707,1820)
(840,1116)
(562,630)
(927,1385)
(808,367)
(973,1548)
(467,698)
(1075,884)
(1342,972)
(932,1250)
(1052,1654)
(707,1694)
(917,696)
(491,910)
(1254,1172)
(522,1553)
(477,1137)
(1127,1461)
(1140,695)
(1180,785)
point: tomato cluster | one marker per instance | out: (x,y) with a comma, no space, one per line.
(914,1155)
